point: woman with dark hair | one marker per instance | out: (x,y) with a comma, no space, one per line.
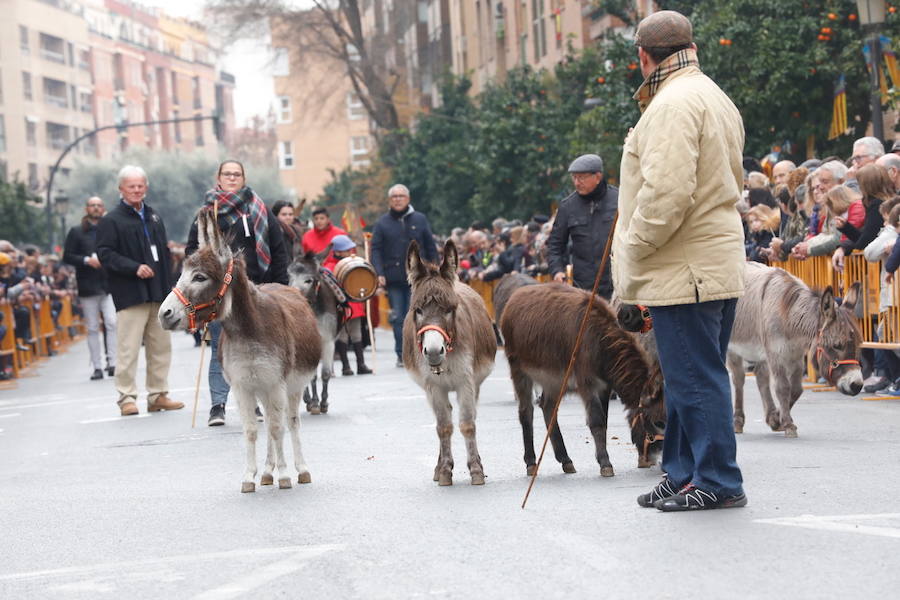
(256,234)
(290,226)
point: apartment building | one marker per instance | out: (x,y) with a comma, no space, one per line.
(321,124)
(46,97)
(67,67)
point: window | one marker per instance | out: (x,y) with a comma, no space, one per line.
(359,149)
(85,101)
(355,108)
(53,48)
(284,109)
(177,127)
(71,55)
(195,91)
(286,155)
(2,134)
(23,40)
(31,131)
(55,93)
(198,132)
(57,135)
(281,64)
(84,59)
(538,26)
(174,88)
(33,183)
(26,85)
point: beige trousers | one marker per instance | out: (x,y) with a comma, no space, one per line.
(138,324)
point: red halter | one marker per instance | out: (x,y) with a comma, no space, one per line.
(648,437)
(648,320)
(834,364)
(192,309)
(440,330)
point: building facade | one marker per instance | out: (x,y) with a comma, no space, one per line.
(68,67)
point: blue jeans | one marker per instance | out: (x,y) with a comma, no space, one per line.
(398,297)
(700,446)
(218,387)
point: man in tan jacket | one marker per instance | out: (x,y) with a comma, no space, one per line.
(679,250)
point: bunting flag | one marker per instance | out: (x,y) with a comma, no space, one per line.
(890,61)
(870,64)
(350,221)
(839,112)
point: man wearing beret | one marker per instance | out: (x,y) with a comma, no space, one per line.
(585,217)
(678,249)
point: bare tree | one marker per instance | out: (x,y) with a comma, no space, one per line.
(332,29)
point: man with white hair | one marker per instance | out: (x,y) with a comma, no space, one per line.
(829,175)
(391,237)
(866,150)
(132,246)
(891,162)
(781,170)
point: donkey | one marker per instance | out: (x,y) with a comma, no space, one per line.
(448,346)
(508,284)
(305,275)
(538,349)
(269,348)
(777,321)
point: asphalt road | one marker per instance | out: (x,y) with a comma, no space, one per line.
(93,505)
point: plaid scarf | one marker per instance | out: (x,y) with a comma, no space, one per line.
(679,60)
(234,206)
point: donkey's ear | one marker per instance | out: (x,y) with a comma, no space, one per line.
(415,268)
(207,229)
(827,304)
(450,262)
(851,297)
(321,256)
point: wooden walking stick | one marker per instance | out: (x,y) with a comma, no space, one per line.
(199,375)
(367,246)
(578,338)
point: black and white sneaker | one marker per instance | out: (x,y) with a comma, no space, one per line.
(259,415)
(216,415)
(690,497)
(664,489)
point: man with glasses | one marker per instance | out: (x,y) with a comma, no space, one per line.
(93,291)
(390,239)
(585,217)
(866,150)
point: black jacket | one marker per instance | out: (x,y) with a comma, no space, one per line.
(391,238)
(123,246)
(277,271)
(587,221)
(81,243)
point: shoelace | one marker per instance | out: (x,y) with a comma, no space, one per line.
(662,490)
(693,494)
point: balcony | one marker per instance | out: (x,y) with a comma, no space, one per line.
(53,56)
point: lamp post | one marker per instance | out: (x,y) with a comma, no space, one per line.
(62,207)
(871,19)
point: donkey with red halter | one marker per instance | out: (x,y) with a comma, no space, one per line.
(448,346)
(777,321)
(269,347)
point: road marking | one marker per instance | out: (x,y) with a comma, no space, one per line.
(840,523)
(110,397)
(111,419)
(258,577)
(8,415)
(125,567)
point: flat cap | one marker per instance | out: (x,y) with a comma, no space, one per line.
(587,163)
(664,29)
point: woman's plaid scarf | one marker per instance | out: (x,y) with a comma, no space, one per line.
(233,206)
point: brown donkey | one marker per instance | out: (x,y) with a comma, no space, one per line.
(777,321)
(448,346)
(539,327)
(270,346)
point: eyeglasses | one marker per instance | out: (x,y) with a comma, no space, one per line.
(583,176)
(856,159)
(399,196)
(230,175)
(95,206)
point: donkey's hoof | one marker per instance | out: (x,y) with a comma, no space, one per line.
(790,431)
(284,483)
(266,479)
(774,422)
(531,470)
(248,486)
(477,478)
(607,471)
(568,467)
(314,410)
(739,428)
(642,463)
(304,478)
(323,408)
(445,479)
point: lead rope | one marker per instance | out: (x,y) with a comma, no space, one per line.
(578,338)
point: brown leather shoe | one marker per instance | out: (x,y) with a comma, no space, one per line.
(163,402)
(128,409)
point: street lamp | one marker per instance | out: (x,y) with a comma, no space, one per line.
(62,208)
(871,19)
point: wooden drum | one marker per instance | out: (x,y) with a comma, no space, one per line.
(357,277)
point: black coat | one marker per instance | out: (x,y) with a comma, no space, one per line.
(123,246)
(80,244)
(587,221)
(391,238)
(246,245)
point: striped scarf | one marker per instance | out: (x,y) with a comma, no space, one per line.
(233,206)
(679,60)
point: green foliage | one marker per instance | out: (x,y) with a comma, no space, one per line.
(177,184)
(22,222)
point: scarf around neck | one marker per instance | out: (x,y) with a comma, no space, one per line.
(234,206)
(680,60)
